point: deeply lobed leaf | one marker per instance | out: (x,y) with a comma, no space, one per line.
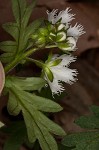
(82,141)
(85,140)
(37,124)
(28,84)
(13,29)
(20,31)
(91,121)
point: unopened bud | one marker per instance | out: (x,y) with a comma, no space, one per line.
(34,36)
(52,36)
(60,27)
(64,46)
(41,41)
(61,36)
(43,31)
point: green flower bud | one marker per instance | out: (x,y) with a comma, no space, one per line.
(41,41)
(61,36)
(52,36)
(43,31)
(64,46)
(34,36)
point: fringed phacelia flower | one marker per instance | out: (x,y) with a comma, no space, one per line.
(58,31)
(56,71)
(64,15)
(62,33)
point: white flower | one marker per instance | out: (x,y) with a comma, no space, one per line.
(61,73)
(64,15)
(72,43)
(63,34)
(52,15)
(75,31)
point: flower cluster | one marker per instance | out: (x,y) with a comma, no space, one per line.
(59,32)
(66,34)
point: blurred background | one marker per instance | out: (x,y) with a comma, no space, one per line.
(85,91)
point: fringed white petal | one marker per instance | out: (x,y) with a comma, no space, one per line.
(52,15)
(65,15)
(76,31)
(55,86)
(66,60)
(61,73)
(64,74)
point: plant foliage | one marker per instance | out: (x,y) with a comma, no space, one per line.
(21,91)
(27,96)
(88,140)
(19,30)
(22,99)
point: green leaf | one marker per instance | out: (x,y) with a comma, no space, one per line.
(91,121)
(35,101)
(18,7)
(13,105)
(29,125)
(27,13)
(12,29)
(20,31)
(95,110)
(83,141)
(46,140)
(37,124)
(8,46)
(7,57)
(50,125)
(28,84)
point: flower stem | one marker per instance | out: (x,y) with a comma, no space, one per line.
(19,58)
(50,46)
(37,62)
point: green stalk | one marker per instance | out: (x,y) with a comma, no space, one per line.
(37,62)
(50,46)
(19,58)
